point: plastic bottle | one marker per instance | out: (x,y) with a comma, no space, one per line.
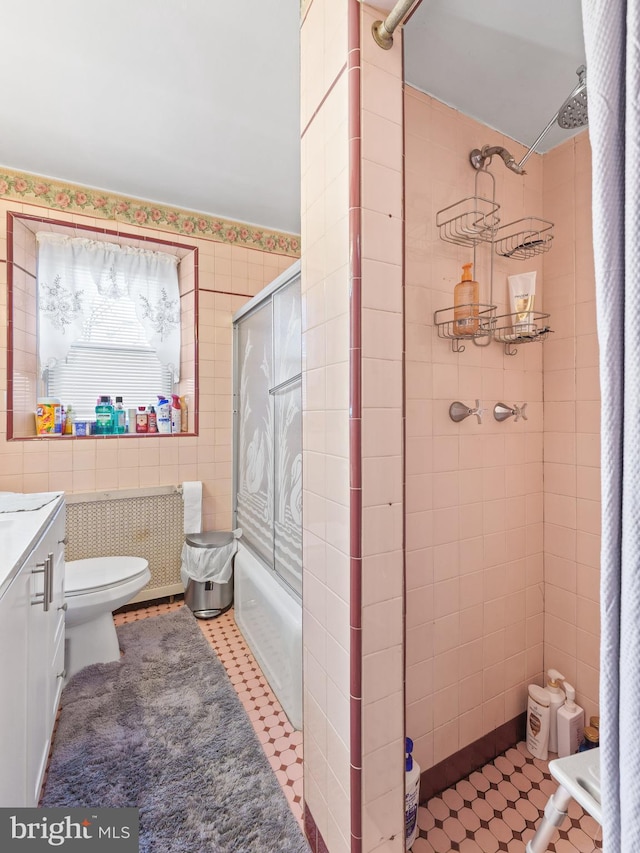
(142,420)
(184,415)
(163,413)
(175,413)
(152,420)
(411,795)
(104,416)
(538,713)
(120,417)
(68,421)
(557,700)
(570,724)
(132,420)
(465,304)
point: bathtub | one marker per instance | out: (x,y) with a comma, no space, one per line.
(270,618)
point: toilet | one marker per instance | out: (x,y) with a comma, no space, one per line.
(93,589)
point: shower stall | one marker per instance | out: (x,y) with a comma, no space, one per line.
(268,484)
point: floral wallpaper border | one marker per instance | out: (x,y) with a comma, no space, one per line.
(32,189)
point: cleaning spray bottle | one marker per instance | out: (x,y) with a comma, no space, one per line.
(411,795)
(465,304)
(557,699)
(175,413)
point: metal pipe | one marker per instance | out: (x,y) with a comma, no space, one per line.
(383,30)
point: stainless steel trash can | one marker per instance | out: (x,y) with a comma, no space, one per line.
(207,599)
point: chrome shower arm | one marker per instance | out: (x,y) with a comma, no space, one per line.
(478,158)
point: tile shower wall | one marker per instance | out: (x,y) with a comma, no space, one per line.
(572,427)
(474,492)
(351,127)
(228,276)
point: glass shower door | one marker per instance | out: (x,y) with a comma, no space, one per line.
(269,431)
(254,498)
(287,418)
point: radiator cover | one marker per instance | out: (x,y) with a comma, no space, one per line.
(145,523)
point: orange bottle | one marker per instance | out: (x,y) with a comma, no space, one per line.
(465,304)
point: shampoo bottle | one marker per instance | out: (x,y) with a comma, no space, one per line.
(163,414)
(465,304)
(411,795)
(570,724)
(557,699)
(538,721)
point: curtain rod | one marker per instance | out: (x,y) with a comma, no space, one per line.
(383,30)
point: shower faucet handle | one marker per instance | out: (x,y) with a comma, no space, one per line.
(501,412)
(459,411)
(521,412)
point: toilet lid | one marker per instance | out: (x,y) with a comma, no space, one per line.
(97,573)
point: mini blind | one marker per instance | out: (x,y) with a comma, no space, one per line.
(111,358)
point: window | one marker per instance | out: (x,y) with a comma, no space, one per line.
(108,322)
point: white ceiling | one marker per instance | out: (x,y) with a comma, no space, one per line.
(508,64)
(195,103)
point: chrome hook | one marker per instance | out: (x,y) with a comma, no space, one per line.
(459,411)
(501,412)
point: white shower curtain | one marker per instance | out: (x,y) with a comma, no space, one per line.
(612,38)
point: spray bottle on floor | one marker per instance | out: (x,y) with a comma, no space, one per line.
(411,795)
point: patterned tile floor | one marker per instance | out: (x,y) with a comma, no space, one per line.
(280,741)
(498,808)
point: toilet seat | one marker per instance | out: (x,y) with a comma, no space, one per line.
(99,573)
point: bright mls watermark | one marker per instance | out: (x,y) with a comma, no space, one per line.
(79,830)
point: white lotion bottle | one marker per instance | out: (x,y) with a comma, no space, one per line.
(538,721)
(557,700)
(570,724)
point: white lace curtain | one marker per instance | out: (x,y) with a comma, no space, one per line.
(78,279)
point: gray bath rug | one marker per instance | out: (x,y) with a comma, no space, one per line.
(163,730)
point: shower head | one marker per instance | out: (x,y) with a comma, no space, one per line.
(571,115)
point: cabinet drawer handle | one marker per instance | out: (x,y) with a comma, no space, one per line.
(45,568)
(63,541)
(62,674)
(64,606)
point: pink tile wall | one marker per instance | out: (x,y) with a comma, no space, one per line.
(338,776)
(474,499)
(325,324)
(228,276)
(572,427)
(382,461)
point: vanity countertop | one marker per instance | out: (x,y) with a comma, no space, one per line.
(19,532)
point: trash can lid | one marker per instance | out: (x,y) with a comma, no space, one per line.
(211,539)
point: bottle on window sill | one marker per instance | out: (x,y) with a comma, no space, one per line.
(68,421)
(152,420)
(176,412)
(142,420)
(104,416)
(120,417)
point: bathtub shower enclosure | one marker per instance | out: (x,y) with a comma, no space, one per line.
(268,484)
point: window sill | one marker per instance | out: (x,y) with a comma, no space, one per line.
(100,437)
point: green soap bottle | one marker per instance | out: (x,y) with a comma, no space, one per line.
(104,417)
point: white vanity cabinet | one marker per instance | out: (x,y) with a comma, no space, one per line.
(31,646)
